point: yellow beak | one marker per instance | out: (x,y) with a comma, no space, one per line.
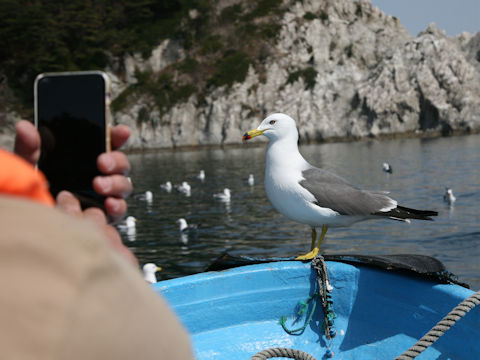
(252,134)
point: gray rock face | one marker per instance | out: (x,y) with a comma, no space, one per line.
(427,85)
(371,78)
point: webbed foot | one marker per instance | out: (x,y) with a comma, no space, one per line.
(308,256)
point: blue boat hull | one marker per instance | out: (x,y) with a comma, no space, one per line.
(233,314)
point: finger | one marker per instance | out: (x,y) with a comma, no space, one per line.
(114,162)
(112,185)
(96,215)
(115,208)
(119,135)
(69,203)
(116,242)
(27,141)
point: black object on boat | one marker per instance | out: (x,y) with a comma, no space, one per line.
(409,264)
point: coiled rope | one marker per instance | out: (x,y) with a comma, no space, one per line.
(282,352)
(442,326)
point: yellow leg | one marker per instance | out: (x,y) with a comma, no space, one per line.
(314,238)
(315,249)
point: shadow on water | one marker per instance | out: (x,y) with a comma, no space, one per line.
(248,225)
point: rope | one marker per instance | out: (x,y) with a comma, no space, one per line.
(324,289)
(282,352)
(303,309)
(442,326)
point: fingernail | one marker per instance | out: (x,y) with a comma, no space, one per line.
(105,183)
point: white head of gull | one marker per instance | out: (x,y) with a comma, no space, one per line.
(313,196)
(149,271)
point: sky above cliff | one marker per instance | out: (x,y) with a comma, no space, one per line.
(454,17)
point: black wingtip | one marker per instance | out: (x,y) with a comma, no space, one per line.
(401,212)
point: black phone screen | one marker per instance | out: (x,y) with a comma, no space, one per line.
(72,126)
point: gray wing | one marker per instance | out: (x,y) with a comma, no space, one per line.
(334,192)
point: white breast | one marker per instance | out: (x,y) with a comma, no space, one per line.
(283,172)
(282,175)
(295,202)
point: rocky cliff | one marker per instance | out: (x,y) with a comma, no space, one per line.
(342,69)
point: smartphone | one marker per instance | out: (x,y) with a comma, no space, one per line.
(72,116)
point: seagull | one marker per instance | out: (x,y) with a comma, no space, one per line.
(129,224)
(185,227)
(129,228)
(201,175)
(387,168)
(187,230)
(224,196)
(184,188)
(313,196)
(167,186)
(149,271)
(448,197)
(144,196)
(251,180)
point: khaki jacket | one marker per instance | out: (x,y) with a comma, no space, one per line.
(66,294)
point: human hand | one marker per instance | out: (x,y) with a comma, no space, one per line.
(114,165)
(70,204)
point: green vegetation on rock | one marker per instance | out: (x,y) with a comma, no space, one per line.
(72,35)
(308,75)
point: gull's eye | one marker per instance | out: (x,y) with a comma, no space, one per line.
(272,122)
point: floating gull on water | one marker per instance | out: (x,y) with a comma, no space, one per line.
(149,271)
(224,196)
(448,197)
(201,175)
(251,180)
(185,227)
(128,224)
(148,196)
(167,186)
(144,196)
(314,196)
(184,188)
(129,228)
(387,168)
(186,230)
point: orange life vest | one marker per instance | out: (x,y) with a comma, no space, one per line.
(19,178)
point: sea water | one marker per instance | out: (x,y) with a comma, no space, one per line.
(248,225)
